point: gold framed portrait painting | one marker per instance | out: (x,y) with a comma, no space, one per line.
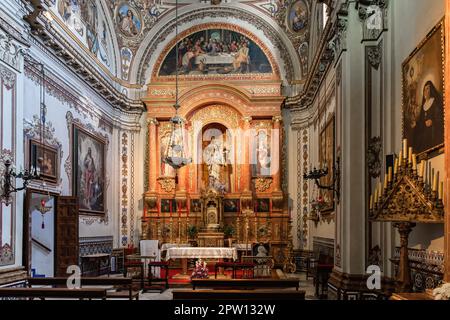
(89,171)
(45,159)
(423,94)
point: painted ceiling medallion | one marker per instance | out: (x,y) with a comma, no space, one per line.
(128,20)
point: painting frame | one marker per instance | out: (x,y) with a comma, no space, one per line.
(300,26)
(168,206)
(436,35)
(136,27)
(262,205)
(195,206)
(231,205)
(327,150)
(35,147)
(76,179)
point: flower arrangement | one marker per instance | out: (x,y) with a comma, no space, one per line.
(442,292)
(200,270)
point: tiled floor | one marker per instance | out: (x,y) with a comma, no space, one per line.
(306,285)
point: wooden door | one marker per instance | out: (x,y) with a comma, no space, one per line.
(67,224)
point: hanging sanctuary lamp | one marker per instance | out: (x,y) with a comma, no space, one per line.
(175,155)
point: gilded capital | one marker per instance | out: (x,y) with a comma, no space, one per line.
(247,120)
(277,119)
(152,121)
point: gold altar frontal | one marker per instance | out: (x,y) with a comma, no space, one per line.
(233,189)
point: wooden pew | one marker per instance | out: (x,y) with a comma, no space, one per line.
(230,284)
(126,283)
(55,293)
(237,295)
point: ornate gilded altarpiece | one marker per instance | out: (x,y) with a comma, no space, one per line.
(233,132)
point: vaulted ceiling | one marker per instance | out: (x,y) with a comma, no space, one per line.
(119,54)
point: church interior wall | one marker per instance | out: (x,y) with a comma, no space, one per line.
(402,45)
(90,111)
(360,91)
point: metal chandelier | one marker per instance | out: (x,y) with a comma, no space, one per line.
(175,155)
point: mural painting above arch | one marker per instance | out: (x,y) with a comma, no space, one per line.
(215,52)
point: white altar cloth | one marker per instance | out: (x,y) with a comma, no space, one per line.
(201,253)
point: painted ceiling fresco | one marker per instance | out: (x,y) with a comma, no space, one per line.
(85,19)
(99,23)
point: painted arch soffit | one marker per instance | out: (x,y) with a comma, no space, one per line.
(277,44)
(126,47)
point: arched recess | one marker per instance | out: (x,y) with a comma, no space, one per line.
(265,29)
(227,116)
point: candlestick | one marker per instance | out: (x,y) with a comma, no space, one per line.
(385,181)
(376,197)
(441,190)
(405,147)
(431,182)
(390,174)
(410,155)
(422,169)
(371,202)
(395,166)
(380,189)
(400,158)
(414,162)
(436,182)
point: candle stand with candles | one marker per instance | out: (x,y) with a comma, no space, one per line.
(407,197)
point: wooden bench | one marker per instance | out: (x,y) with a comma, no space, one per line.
(125,283)
(237,295)
(248,284)
(55,293)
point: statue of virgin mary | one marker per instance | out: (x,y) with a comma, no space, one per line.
(214,159)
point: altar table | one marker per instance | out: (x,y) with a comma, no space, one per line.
(200,253)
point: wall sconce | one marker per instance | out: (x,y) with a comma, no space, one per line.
(9,178)
(317,174)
